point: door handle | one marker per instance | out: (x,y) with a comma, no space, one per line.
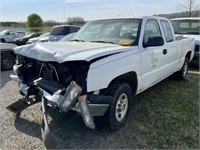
(164,51)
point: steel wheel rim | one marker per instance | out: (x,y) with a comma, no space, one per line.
(7,62)
(121,107)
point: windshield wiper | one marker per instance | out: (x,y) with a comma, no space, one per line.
(101,41)
(77,40)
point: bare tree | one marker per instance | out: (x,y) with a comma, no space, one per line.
(188,6)
(75,20)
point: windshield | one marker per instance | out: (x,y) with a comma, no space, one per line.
(186,26)
(116,31)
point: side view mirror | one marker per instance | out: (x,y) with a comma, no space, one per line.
(154,41)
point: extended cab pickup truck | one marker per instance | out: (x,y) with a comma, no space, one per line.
(98,73)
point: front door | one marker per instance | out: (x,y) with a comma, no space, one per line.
(153,58)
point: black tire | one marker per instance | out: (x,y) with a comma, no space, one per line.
(182,74)
(3,40)
(7,61)
(111,120)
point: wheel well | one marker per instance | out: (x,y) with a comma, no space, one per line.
(129,78)
(188,55)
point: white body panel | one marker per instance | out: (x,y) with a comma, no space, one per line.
(102,72)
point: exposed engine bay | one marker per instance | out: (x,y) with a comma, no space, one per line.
(59,75)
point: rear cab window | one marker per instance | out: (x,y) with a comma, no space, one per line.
(63,30)
(73,29)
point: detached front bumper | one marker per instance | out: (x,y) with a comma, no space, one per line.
(87,105)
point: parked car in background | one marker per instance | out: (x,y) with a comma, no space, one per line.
(67,37)
(42,38)
(20,33)
(7,55)
(9,36)
(189,27)
(23,40)
(60,31)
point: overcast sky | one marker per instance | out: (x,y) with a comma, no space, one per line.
(58,10)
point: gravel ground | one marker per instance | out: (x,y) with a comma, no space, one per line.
(23,132)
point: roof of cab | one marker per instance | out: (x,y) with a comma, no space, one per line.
(131,17)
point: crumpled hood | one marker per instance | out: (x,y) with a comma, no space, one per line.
(68,51)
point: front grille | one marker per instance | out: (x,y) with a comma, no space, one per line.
(196,49)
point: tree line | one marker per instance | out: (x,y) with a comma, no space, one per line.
(195,13)
(81,21)
(35,23)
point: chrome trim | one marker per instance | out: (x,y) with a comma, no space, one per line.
(54,99)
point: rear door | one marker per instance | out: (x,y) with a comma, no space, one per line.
(170,46)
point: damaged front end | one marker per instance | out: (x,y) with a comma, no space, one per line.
(60,86)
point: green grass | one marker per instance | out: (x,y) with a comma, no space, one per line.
(167,115)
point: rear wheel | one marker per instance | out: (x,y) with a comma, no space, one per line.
(117,114)
(7,61)
(181,74)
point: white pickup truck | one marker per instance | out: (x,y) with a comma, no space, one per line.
(104,66)
(189,27)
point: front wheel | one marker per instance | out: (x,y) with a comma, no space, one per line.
(7,61)
(181,74)
(117,114)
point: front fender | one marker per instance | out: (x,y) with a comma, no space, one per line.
(102,72)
